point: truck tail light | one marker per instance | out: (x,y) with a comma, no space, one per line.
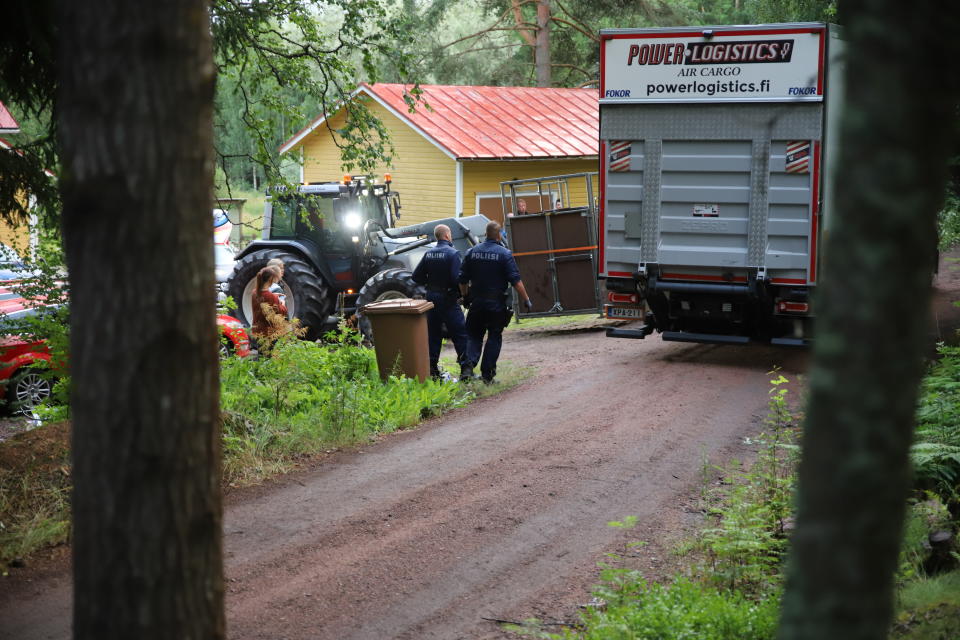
(793,307)
(623,298)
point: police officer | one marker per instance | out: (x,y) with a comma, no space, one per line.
(488,268)
(438,271)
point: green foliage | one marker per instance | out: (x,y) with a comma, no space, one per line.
(746,547)
(923,518)
(936,448)
(929,609)
(638,610)
(282,62)
(307,397)
(42,284)
(948,222)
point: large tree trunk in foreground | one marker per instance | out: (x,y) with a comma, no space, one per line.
(136,97)
(873,318)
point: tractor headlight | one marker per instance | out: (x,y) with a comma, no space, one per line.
(352,220)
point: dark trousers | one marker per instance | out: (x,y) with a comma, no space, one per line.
(489,319)
(447,312)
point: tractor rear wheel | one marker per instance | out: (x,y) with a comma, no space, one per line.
(307,295)
(386,285)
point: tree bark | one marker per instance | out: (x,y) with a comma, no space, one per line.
(542,48)
(872,318)
(135,109)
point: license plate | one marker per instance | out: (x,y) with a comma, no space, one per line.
(624,312)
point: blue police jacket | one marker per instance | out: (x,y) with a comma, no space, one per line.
(439,268)
(489,267)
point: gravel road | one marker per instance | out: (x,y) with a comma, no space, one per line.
(496,510)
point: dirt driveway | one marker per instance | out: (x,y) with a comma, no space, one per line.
(497,510)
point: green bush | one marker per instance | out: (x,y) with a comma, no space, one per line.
(948,222)
(683,610)
(936,448)
(307,397)
(746,546)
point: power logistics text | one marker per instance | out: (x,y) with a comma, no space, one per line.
(697,53)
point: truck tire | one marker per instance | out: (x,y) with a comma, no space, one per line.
(307,295)
(386,285)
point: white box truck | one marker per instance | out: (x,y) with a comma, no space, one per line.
(714,144)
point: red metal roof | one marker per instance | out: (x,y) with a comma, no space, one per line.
(7,123)
(487,123)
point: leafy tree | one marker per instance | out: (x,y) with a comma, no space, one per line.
(854,475)
(556,42)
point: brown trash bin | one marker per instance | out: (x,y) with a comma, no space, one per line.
(400,336)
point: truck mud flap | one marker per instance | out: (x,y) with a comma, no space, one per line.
(708,338)
(636,334)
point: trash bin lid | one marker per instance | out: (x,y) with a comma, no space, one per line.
(397,305)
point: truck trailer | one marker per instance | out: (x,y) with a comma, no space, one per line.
(714,146)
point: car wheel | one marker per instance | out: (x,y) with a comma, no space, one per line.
(28,388)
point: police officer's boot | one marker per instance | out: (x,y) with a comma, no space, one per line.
(435,370)
(466,372)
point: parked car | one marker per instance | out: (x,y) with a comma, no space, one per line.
(23,385)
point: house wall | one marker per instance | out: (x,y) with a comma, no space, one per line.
(424,176)
(16,234)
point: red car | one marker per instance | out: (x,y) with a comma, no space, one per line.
(24,386)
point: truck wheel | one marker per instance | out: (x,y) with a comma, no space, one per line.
(386,285)
(307,295)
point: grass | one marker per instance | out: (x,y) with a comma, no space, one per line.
(557,322)
(929,609)
(278,414)
(34,491)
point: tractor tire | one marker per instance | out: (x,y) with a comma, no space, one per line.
(307,295)
(386,285)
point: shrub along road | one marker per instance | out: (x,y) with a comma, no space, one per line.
(497,510)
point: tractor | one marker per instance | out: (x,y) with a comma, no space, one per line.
(339,251)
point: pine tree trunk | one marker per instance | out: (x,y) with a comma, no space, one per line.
(542,48)
(872,318)
(135,113)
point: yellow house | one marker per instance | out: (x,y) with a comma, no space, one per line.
(17,236)
(452,153)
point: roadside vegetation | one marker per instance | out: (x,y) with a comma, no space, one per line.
(733,576)
(278,412)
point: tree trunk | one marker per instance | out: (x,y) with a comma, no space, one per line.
(872,318)
(135,109)
(542,48)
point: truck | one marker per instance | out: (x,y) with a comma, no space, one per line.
(714,193)
(341,250)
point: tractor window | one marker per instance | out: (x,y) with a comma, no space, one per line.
(282,221)
(322,226)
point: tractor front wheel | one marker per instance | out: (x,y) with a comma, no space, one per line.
(307,295)
(387,285)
